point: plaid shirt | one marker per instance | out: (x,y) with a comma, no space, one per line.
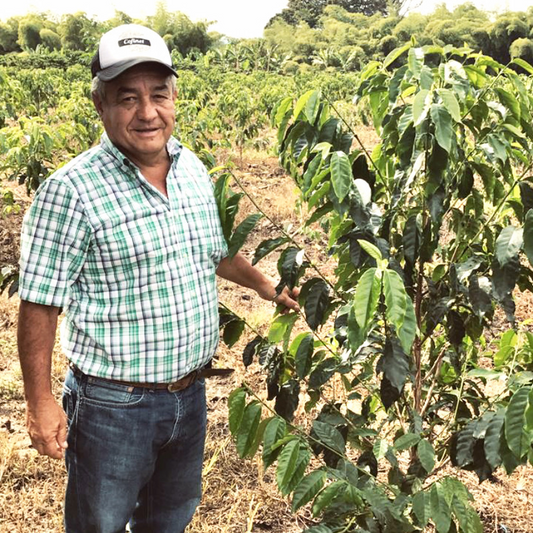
(133,270)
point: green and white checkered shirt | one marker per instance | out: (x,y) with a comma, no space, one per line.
(133,270)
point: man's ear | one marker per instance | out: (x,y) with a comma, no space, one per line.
(98,104)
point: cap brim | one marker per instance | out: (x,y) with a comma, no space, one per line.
(110,73)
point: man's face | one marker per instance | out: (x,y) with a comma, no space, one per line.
(138,113)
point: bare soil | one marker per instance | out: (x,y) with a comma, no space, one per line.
(238,496)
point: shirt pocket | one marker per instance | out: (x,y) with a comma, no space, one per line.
(201,224)
(127,248)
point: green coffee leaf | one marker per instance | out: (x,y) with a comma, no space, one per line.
(493,438)
(408,330)
(232,332)
(406,441)
(396,298)
(366,297)
(422,508)
(324,499)
(236,405)
(321,528)
(247,432)
(426,455)
(329,436)
(304,356)
(275,430)
(341,174)
(440,510)
(524,64)
(281,327)
(267,247)
(421,106)
(394,364)
(371,249)
(443,126)
(508,244)
(250,350)
(292,463)
(316,302)
(515,420)
(450,103)
(308,488)
(241,232)
(528,236)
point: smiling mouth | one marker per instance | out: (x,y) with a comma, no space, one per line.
(146,131)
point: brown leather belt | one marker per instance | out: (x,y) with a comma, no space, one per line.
(175,386)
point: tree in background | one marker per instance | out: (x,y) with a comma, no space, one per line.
(9,36)
(50,39)
(413,25)
(29,29)
(310,11)
(522,49)
(507,29)
(78,32)
(179,31)
(118,19)
(465,25)
(333,34)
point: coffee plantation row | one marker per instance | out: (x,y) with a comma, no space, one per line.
(432,234)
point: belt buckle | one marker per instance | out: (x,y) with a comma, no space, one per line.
(184,382)
(176,386)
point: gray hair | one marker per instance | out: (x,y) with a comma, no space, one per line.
(99,87)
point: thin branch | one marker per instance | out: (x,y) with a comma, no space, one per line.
(287,235)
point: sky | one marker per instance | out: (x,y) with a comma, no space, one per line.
(236,18)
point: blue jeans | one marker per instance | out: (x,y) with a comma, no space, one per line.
(135,455)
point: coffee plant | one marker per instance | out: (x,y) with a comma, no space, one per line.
(383,379)
(432,233)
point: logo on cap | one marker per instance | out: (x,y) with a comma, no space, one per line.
(134,40)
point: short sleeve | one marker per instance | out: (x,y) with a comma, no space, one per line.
(54,241)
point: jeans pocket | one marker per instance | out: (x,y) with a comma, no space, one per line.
(70,395)
(105,393)
(69,403)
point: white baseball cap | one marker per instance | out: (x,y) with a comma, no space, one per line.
(126,46)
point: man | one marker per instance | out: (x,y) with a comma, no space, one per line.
(126,240)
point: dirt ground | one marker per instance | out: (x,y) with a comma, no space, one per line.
(238,496)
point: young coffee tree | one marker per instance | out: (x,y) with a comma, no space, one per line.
(432,231)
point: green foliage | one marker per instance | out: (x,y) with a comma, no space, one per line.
(523,49)
(29,29)
(431,231)
(78,32)
(50,39)
(424,257)
(9,37)
(506,30)
(311,11)
(331,34)
(179,32)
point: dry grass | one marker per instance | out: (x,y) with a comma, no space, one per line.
(238,496)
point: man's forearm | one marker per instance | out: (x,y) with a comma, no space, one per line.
(36,336)
(240,271)
(45,420)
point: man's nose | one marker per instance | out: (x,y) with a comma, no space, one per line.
(146,109)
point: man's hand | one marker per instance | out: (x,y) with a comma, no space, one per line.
(287,298)
(47,427)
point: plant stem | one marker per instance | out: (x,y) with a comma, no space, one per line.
(285,234)
(417,345)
